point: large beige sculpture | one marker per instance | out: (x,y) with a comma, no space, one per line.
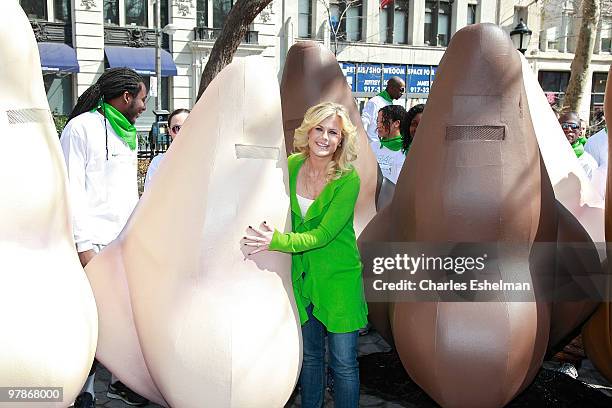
(312,75)
(581,205)
(47,310)
(207,327)
(597,333)
(570,183)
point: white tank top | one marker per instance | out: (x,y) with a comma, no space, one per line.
(304,204)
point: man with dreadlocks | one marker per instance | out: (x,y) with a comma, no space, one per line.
(100,148)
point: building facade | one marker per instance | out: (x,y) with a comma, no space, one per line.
(555,25)
(372,39)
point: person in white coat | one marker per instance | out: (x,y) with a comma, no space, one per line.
(597,147)
(394,90)
(175,122)
(393,130)
(100,146)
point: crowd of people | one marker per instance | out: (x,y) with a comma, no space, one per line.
(100,148)
(592,152)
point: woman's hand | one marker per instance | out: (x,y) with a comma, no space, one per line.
(261,240)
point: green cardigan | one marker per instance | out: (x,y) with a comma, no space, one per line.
(326,266)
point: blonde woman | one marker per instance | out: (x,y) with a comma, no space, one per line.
(326,266)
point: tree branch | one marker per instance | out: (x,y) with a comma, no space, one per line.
(582,58)
(233,32)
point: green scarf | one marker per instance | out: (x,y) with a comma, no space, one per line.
(578,146)
(124,129)
(385,95)
(394,143)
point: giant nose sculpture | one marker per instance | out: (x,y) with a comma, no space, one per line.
(213,329)
(473,174)
(47,310)
(312,75)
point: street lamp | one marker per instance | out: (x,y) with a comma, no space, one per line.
(520,36)
(169,29)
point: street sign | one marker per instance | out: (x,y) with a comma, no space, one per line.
(369,78)
(393,70)
(348,69)
(420,78)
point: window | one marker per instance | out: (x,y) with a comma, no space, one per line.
(34,9)
(221,9)
(385,24)
(552,39)
(39,10)
(606,34)
(554,84)
(345,19)
(438,15)
(400,22)
(353,21)
(136,12)
(59,93)
(471,13)
(202,13)
(111,12)
(62,10)
(597,92)
(444,23)
(304,18)
(165,13)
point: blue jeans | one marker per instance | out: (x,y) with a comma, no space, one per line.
(343,362)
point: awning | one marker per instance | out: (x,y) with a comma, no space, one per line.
(141,60)
(57,57)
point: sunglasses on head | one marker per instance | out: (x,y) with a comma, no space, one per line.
(569,125)
(176,128)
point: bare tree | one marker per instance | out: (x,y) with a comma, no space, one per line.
(233,32)
(590,10)
(336,32)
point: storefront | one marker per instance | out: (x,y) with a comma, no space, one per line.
(58,62)
(368,79)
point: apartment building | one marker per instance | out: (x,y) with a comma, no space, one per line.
(79,39)
(372,39)
(555,25)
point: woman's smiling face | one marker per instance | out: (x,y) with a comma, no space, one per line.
(324,138)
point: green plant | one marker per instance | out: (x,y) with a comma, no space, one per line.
(60,121)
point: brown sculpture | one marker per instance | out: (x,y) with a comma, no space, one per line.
(312,75)
(478,175)
(212,328)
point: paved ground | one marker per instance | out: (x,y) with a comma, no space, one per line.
(374,395)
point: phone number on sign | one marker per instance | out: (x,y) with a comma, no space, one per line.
(35,394)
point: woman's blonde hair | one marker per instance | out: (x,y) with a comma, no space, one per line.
(347,148)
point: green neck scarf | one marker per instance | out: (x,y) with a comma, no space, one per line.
(394,143)
(578,146)
(124,129)
(385,95)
